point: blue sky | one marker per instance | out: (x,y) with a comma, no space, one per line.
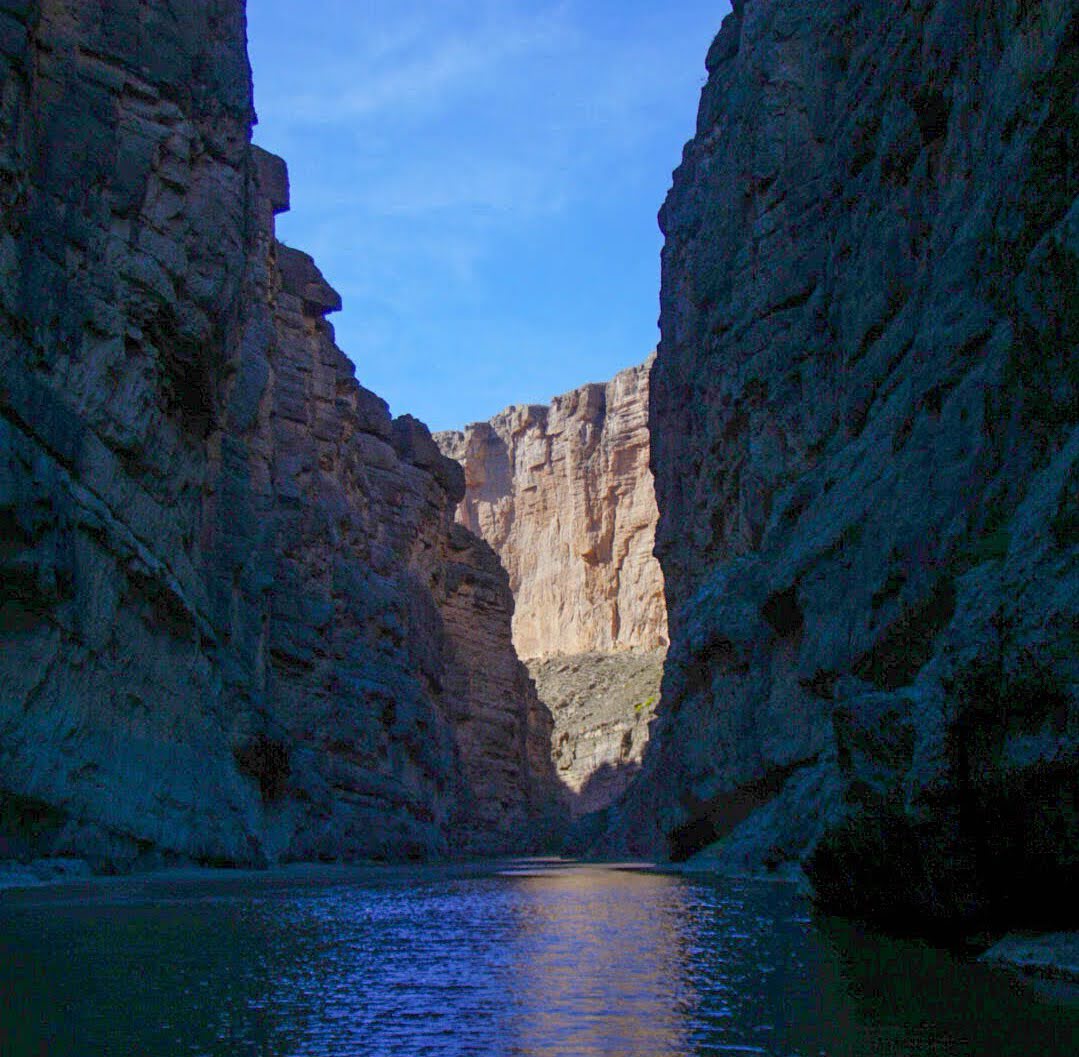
(480,181)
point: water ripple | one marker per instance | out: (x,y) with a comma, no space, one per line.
(526,960)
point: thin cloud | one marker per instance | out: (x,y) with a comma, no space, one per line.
(423,62)
(477,176)
(489,187)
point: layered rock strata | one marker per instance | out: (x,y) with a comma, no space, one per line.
(865,450)
(238,622)
(563,493)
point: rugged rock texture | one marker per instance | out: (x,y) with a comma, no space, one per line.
(602,704)
(1055,955)
(564,495)
(238,623)
(865,449)
(502,730)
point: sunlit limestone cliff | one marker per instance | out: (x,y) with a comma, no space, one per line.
(237,621)
(865,450)
(564,495)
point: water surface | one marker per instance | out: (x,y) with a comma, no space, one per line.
(487,960)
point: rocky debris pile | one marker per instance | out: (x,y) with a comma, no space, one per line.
(602,704)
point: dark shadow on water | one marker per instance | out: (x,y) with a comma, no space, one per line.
(944,1003)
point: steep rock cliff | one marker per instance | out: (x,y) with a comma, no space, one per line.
(865,445)
(564,495)
(238,623)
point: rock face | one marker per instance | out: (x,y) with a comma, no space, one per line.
(865,450)
(1055,955)
(602,704)
(564,495)
(238,623)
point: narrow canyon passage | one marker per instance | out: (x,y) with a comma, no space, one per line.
(564,495)
(250,618)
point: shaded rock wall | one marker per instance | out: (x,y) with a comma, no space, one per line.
(564,495)
(601,704)
(864,442)
(238,622)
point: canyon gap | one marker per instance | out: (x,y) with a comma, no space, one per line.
(564,495)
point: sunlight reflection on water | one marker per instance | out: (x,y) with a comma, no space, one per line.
(600,958)
(528,959)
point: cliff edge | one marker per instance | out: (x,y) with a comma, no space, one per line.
(238,622)
(865,449)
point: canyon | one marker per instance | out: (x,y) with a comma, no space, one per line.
(865,448)
(248,617)
(564,495)
(239,623)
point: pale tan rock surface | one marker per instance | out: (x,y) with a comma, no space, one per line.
(564,495)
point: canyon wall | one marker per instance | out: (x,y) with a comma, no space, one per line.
(601,704)
(238,622)
(564,495)
(865,450)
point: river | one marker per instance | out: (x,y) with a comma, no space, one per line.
(497,959)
